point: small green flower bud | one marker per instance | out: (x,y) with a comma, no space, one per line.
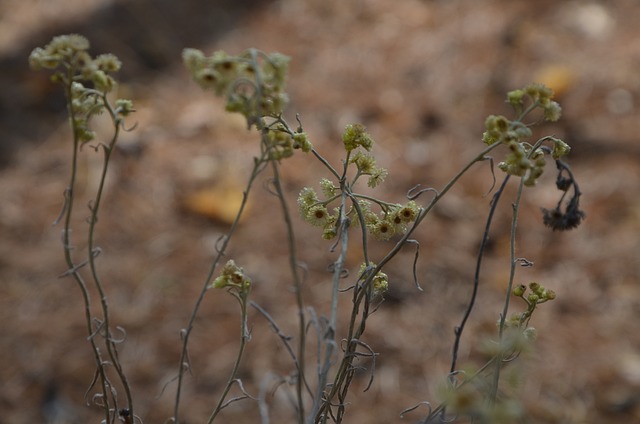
(231,275)
(220,282)
(329,233)
(328,188)
(549,294)
(85,135)
(552,111)
(307,198)
(380,283)
(560,148)
(497,126)
(377,177)
(75,42)
(532,175)
(365,163)
(102,81)
(301,141)
(533,298)
(124,107)
(519,290)
(515,97)
(108,63)
(193,59)
(539,92)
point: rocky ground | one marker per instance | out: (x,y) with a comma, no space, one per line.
(422,76)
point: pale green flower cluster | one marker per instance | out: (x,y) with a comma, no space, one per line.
(393,219)
(538,294)
(366,165)
(87,79)
(523,160)
(252,82)
(354,136)
(68,54)
(232,276)
(281,143)
(541,97)
(315,212)
(253,85)
(533,295)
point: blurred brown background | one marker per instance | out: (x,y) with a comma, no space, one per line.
(422,76)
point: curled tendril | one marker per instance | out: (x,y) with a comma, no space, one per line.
(344,273)
(493,174)
(413,195)
(415,263)
(413,408)
(120,340)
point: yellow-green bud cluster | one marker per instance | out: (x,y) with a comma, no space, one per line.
(523,160)
(87,79)
(499,128)
(366,165)
(281,143)
(392,219)
(540,96)
(301,141)
(252,82)
(380,283)
(537,294)
(68,54)
(232,276)
(560,148)
(533,295)
(355,136)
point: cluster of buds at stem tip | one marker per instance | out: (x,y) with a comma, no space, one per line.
(87,80)
(232,276)
(524,159)
(253,84)
(392,219)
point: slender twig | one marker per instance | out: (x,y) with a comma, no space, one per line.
(297,284)
(241,296)
(512,273)
(476,278)
(186,332)
(66,236)
(110,344)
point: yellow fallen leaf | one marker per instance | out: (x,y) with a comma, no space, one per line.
(220,203)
